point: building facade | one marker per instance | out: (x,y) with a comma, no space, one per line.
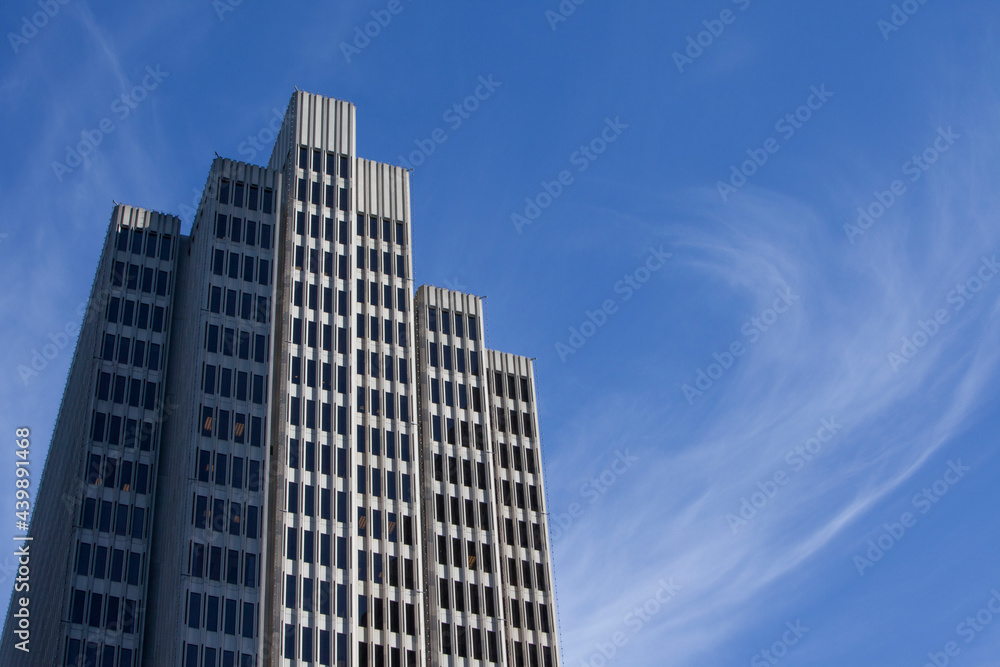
(272,451)
(487,567)
(93,513)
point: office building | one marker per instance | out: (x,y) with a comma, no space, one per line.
(272,451)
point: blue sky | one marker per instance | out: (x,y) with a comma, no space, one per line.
(650,449)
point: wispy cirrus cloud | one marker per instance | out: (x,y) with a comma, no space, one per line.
(827,359)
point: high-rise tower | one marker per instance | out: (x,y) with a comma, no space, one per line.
(270,453)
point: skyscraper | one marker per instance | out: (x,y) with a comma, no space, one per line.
(271,452)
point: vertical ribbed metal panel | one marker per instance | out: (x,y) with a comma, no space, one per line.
(176,534)
(70,482)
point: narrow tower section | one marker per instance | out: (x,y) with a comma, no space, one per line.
(526,567)
(95,502)
(343,506)
(208,578)
(465,605)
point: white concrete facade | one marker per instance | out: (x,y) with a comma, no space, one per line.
(316,501)
(489,574)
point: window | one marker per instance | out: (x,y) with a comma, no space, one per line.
(114,303)
(194,610)
(229,620)
(232,567)
(249,614)
(540,578)
(289,642)
(151,245)
(443,588)
(109,347)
